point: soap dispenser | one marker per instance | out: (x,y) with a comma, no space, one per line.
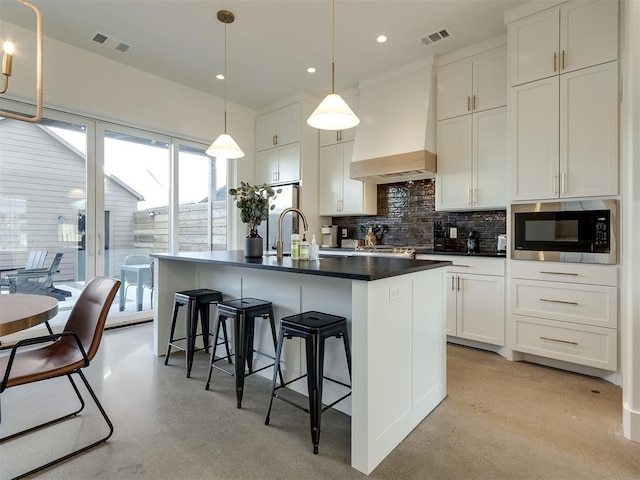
(314,249)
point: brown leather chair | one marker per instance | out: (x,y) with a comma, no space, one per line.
(62,355)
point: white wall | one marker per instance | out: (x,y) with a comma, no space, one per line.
(630,301)
(80,82)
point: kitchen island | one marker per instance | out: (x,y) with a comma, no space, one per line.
(395,316)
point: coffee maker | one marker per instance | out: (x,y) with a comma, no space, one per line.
(329,236)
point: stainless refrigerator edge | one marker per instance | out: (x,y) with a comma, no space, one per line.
(268,230)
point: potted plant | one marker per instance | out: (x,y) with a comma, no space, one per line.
(253,202)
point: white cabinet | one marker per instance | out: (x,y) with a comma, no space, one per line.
(473,85)
(564,135)
(474,298)
(565,311)
(575,35)
(338,193)
(472,161)
(278,165)
(279,127)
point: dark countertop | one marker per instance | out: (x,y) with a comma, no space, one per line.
(354,268)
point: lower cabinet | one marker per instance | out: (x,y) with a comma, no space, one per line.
(567,312)
(474,298)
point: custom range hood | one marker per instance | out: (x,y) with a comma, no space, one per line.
(395,140)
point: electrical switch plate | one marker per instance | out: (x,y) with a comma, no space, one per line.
(453,232)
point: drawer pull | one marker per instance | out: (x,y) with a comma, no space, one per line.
(559,273)
(559,341)
(460,265)
(558,301)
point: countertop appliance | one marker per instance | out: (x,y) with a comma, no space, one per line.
(288,197)
(501,244)
(581,231)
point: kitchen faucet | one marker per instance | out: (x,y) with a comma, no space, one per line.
(279,253)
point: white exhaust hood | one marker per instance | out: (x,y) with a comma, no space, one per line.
(395,140)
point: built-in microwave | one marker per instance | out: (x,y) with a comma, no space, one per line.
(582,231)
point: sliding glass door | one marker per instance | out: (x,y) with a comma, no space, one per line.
(88,198)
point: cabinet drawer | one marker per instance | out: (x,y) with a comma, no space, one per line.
(468,264)
(584,345)
(565,272)
(582,304)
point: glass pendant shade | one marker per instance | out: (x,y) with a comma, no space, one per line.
(225,147)
(333,113)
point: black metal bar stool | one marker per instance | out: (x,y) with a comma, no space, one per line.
(243,312)
(314,327)
(196,301)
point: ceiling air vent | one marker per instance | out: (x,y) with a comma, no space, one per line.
(111,42)
(436,36)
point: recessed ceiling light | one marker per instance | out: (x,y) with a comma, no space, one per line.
(381,38)
(311,70)
(220,76)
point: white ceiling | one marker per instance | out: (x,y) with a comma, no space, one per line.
(271,43)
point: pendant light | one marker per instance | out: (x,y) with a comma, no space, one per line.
(224,146)
(333,113)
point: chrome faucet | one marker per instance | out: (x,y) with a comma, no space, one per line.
(279,245)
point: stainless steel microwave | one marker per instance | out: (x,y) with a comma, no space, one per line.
(583,231)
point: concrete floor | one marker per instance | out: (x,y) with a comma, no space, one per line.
(501,420)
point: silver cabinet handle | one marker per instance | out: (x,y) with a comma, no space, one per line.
(468,104)
(559,273)
(453,283)
(563,55)
(460,265)
(558,301)
(473,106)
(475,196)
(559,341)
(469,196)
(563,183)
(458,277)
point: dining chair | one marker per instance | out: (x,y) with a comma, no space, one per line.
(63,354)
(131,278)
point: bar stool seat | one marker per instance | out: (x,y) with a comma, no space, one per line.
(197,302)
(243,312)
(314,327)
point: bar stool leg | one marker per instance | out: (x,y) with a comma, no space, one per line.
(240,350)
(192,327)
(176,307)
(347,349)
(275,374)
(315,361)
(204,321)
(250,334)
(276,365)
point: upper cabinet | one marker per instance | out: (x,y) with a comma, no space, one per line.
(575,35)
(472,132)
(563,108)
(285,145)
(473,85)
(279,127)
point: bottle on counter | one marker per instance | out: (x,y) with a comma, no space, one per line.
(304,248)
(295,246)
(314,249)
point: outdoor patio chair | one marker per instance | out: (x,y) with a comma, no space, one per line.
(131,278)
(36,260)
(38,281)
(61,355)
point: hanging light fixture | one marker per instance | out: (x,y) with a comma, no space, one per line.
(7,63)
(333,113)
(224,146)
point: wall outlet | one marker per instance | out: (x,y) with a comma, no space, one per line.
(453,232)
(394,293)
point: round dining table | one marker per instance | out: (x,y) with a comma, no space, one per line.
(22,311)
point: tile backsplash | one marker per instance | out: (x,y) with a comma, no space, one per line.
(407,213)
